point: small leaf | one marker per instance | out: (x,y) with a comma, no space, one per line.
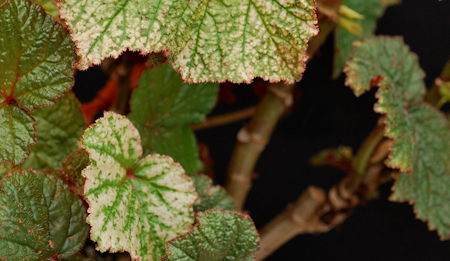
(135,204)
(371,10)
(163,107)
(208,41)
(210,196)
(36,67)
(40,218)
(219,235)
(59,128)
(421,134)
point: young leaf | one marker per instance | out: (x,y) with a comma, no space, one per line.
(163,107)
(371,10)
(40,218)
(421,134)
(59,128)
(219,235)
(135,204)
(210,196)
(207,40)
(36,67)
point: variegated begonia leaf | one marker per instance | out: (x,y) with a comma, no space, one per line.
(421,133)
(163,107)
(207,41)
(59,129)
(371,10)
(219,235)
(210,196)
(135,204)
(36,67)
(41,219)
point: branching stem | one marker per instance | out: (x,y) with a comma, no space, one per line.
(225,119)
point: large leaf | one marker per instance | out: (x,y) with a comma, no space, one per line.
(59,128)
(210,196)
(219,235)
(421,134)
(207,40)
(40,218)
(162,108)
(371,10)
(36,67)
(135,204)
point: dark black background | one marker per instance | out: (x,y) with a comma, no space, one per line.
(327,114)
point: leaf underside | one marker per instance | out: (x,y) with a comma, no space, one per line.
(135,204)
(219,235)
(40,218)
(206,40)
(163,107)
(421,133)
(36,67)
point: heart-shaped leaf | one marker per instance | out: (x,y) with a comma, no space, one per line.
(135,204)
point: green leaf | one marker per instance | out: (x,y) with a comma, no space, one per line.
(210,196)
(36,67)
(40,218)
(17,130)
(219,235)
(207,40)
(135,204)
(163,107)
(59,128)
(421,133)
(49,6)
(371,10)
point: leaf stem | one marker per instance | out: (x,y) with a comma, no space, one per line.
(367,148)
(123,71)
(253,137)
(225,119)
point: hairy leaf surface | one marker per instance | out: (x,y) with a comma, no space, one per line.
(135,204)
(421,134)
(219,235)
(207,40)
(163,107)
(40,218)
(36,67)
(59,128)
(210,196)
